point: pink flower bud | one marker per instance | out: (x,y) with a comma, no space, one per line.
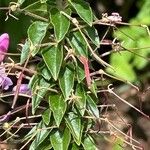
(4,43)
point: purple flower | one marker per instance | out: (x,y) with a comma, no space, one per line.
(5,81)
(4,43)
(24,89)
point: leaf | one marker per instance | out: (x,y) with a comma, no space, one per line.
(37,7)
(78,43)
(45,145)
(36,33)
(93,88)
(53,57)
(58,107)
(30,134)
(92,33)
(81,99)
(92,107)
(74,147)
(80,72)
(60,22)
(44,71)
(40,136)
(83,10)
(122,67)
(39,90)
(66,81)
(33,81)
(60,140)
(139,62)
(25,52)
(46,116)
(89,143)
(73,122)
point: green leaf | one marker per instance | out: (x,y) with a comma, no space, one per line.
(46,116)
(39,90)
(66,81)
(83,10)
(30,133)
(36,33)
(89,143)
(139,62)
(92,107)
(93,88)
(92,33)
(122,67)
(25,52)
(80,72)
(45,145)
(53,57)
(40,136)
(58,107)
(143,16)
(37,7)
(44,71)
(74,147)
(73,122)
(33,81)
(81,99)
(78,43)
(60,140)
(60,22)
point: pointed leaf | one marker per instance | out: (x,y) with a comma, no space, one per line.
(78,43)
(42,68)
(37,7)
(36,33)
(25,52)
(33,81)
(58,107)
(92,33)
(80,71)
(73,122)
(40,137)
(89,143)
(46,116)
(81,100)
(66,81)
(53,57)
(39,90)
(92,107)
(60,140)
(45,145)
(83,9)
(60,22)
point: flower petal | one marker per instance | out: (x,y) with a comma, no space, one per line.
(24,89)
(5,82)
(4,43)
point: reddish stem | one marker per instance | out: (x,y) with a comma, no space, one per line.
(84,61)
